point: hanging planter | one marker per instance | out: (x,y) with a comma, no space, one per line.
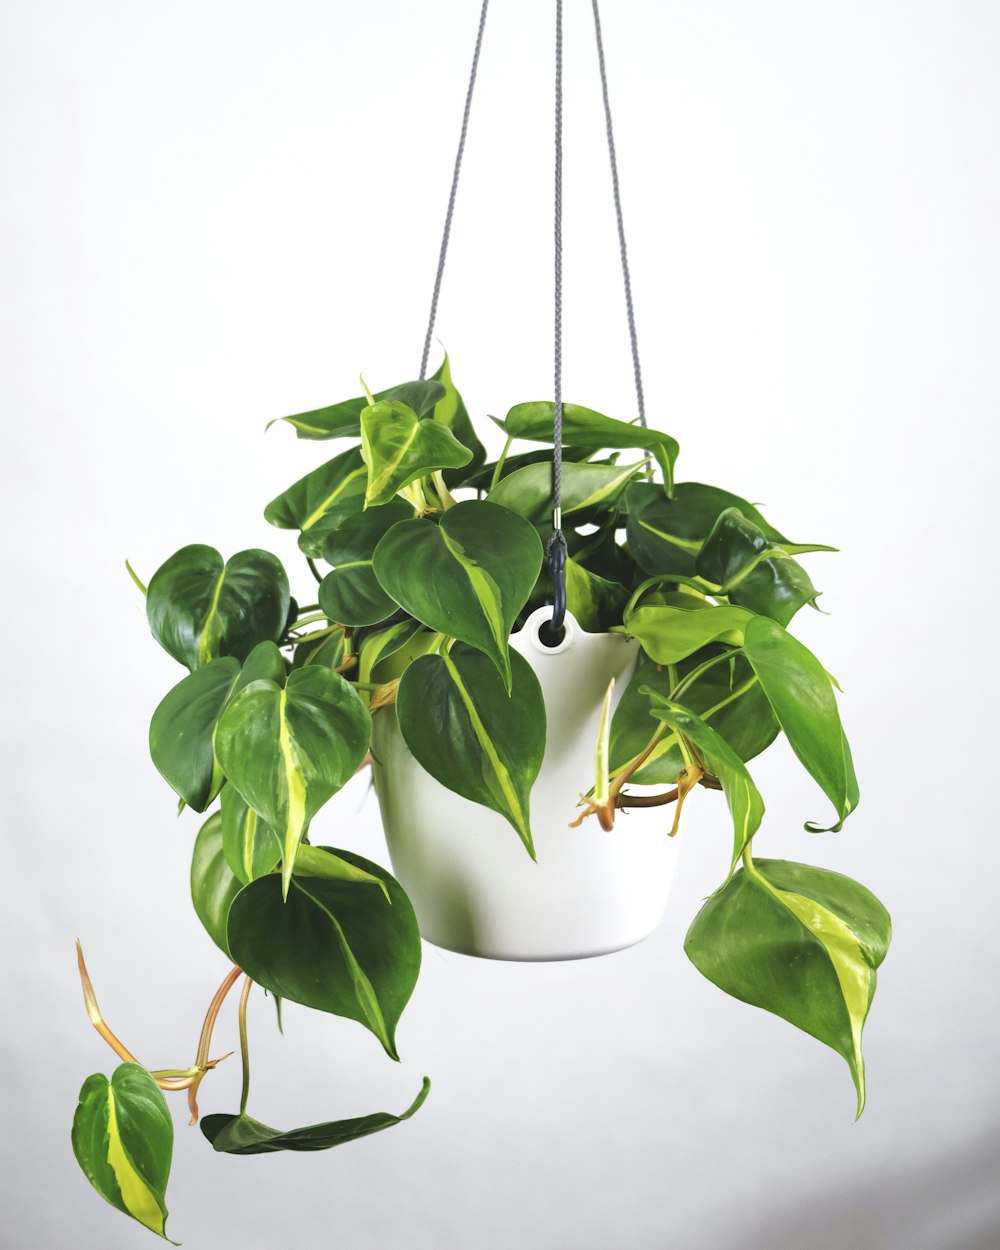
(542,656)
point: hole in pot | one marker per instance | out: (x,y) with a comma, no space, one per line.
(550,637)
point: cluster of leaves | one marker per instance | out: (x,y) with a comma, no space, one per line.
(427,558)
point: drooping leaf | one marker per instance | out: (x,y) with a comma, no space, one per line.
(376,645)
(801,695)
(465,730)
(753,571)
(670,634)
(288,751)
(317,861)
(745,804)
(329,651)
(249,844)
(241,1135)
(123,1139)
(665,535)
(582,427)
(343,420)
(214,885)
(200,608)
(727,696)
(336,946)
(318,502)
(586,488)
(482,478)
(450,410)
(466,576)
(351,594)
(183,725)
(801,942)
(399,447)
(595,602)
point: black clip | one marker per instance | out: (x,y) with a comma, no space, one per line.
(555,550)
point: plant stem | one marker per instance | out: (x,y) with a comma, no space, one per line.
(670,579)
(444,494)
(308,607)
(311,619)
(686,682)
(313,569)
(244,1047)
(135,577)
(501,462)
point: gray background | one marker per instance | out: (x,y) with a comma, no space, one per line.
(216,213)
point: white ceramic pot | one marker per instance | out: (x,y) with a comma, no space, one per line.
(473,886)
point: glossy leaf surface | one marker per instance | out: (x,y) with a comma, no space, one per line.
(462,727)
(745,804)
(801,695)
(351,594)
(586,488)
(287,751)
(669,634)
(336,946)
(451,411)
(595,602)
(801,942)
(214,885)
(242,1135)
(399,447)
(343,420)
(123,1139)
(249,844)
(379,644)
(582,427)
(318,502)
(466,576)
(200,608)
(753,571)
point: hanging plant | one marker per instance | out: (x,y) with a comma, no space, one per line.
(495,639)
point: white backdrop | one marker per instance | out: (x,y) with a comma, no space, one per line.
(215,213)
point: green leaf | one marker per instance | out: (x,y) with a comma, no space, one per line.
(665,535)
(728,696)
(123,1139)
(800,942)
(451,411)
(241,1135)
(399,447)
(200,609)
(801,695)
(670,634)
(316,861)
(214,885)
(320,501)
(376,645)
(585,428)
(745,804)
(351,594)
(586,488)
(594,601)
(249,844)
(288,751)
(343,420)
(336,946)
(753,571)
(328,652)
(482,478)
(466,576)
(183,725)
(465,730)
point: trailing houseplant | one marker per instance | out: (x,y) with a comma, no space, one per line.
(427,558)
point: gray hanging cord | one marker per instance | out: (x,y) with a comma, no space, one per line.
(618,213)
(556,546)
(454,188)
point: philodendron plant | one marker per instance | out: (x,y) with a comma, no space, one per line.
(427,558)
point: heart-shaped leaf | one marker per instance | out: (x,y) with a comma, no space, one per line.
(200,608)
(467,576)
(801,695)
(249,844)
(343,420)
(753,571)
(183,725)
(450,410)
(399,447)
(351,594)
(378,644)
(470,735)
(586,488)
(728,696)
(241,1135)
(123,1139)
(594,601)
(214,885)
(330,651)
(318,502)
(800,942)
(288,751)
(336,946)
(745,804)
(670,634)
(582,427)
